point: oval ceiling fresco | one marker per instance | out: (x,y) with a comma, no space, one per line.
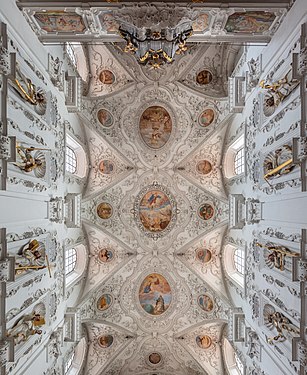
(155,211)
(155,127)
(155,294)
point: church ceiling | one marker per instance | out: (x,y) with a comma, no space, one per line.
(155,212)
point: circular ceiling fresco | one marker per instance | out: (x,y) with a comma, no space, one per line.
(155,127)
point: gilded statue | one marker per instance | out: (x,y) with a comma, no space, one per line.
(282,325)
(279,90)
(277,255)
(25,327)
(29,162)
(33,258)
(279,162)
(27,90)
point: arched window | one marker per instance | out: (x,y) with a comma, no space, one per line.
(233,363)
(75,264)
(75,158)
(74,363)
(234,161)
(71,53)
(70,260)
(71,160)
(234,263)
(239,260)
(239,364)
(239,161)
(68,363)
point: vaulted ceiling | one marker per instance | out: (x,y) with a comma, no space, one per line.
(153,205)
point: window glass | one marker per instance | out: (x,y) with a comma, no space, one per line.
(239,161)
(70,260)
(239,261)
(71,160)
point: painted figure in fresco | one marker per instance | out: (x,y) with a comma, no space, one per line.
(104,302)
(282,325)
(29,162)
(204,167)
(26,327)
(106,77)
(206,211)
(105,118)
(277,256)
(207,117)
(104,210)
(159,308)
(151,281)
(155,126)
(204,77)
(204,342)
(106,341)
(205,302)
(59,21)
(105,255)
(249,22)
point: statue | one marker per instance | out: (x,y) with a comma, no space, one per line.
(278,163)
(26,327)
(282,325)
(33,258)
(29,162)
(278,91)
(277,255)
(27,90)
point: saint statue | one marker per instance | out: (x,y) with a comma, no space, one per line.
(27,90)
(277,255)
(26,327)
(282,325)
(29,162)
(279,90)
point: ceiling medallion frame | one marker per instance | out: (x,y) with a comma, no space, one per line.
(136,210)
(172,307)
(166,106)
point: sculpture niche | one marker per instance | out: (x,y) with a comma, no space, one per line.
(276,256)
(28,162)
(28,325)
(33,257)
(36,96)
(278,163)
(277,92)
(284,327)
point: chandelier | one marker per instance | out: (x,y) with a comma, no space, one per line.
(156,47)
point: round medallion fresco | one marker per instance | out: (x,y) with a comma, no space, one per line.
(154,358)
(105,341)
(104,210)
(107,77)
(205,302)
(203,255)
(155,294)
(204,341)
(106,167)
(105,118)
(206,117)
(206,211)
(155,127)
(105,255)
(155,211)
(104,302)
(204,77)
(204,167)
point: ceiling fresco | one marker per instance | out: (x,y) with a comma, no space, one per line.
(155,213)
